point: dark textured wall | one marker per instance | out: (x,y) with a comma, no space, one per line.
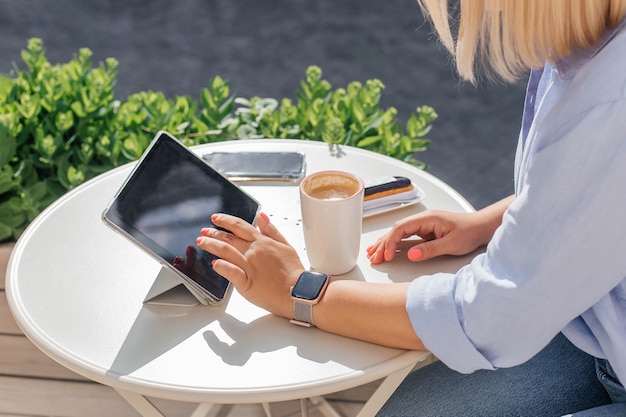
(263,48)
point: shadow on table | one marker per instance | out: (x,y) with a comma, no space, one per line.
(271,333)
(158,329)
(265,334)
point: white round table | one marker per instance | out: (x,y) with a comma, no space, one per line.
(76,289)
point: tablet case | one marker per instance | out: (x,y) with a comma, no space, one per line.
(173,286)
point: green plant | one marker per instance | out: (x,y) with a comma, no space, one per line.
(61,125)
(55,132)
(350,116)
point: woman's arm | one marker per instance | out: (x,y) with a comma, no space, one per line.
(263,267)
(372,312)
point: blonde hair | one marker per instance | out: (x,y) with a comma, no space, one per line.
(507,37)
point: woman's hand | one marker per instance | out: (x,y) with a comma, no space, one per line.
(441,233)
(259,263)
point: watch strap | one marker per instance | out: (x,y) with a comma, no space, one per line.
(303,314)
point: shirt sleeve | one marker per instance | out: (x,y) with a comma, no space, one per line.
(433,312)
(558,252)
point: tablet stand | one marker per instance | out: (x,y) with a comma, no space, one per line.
(169,290)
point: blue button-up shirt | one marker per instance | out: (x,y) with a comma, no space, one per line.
(558,261)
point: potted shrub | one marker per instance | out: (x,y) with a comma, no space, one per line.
(61,125)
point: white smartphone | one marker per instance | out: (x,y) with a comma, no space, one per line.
(168,197)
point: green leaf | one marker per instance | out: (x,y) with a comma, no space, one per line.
(78,108)
(8,146)
(75,176)
(247,132)
(369,141)
(25,172)
(333,131)
(133,147)
(47,146)
(7,182)
(29,106)
(64,121)
(38,190)
(12,213)
(34,54)
(6,232)
(6,84)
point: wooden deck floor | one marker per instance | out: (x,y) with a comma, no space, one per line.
(31,384)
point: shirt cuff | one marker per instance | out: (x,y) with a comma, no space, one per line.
(435,319)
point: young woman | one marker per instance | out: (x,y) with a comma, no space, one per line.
(525,327)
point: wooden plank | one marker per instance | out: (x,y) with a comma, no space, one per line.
(21,358)
(7,323)
(37,397)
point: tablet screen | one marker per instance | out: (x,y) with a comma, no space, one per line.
(171,195)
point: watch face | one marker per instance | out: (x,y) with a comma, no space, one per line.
(309,285)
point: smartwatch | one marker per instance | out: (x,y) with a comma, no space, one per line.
(307,292)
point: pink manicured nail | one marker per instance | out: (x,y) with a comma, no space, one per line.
(264,216)
(375,259)
(415,253)
(198,240)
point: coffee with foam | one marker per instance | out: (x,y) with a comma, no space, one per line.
(331,186)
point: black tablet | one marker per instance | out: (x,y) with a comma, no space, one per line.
(168,197)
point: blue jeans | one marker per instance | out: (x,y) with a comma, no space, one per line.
(560,380)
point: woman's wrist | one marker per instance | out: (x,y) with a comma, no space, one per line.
(490,218)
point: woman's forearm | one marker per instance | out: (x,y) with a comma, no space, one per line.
(367,311)
(490,217)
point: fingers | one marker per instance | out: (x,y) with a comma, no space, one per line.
(231,272)
(382,250)
(240,244)
(234,246)
(223,245)
(237,226)
(269,230)
(419,252)
(386,247)
(422,251)
(428,249)
(376,257)
(246,231)
(416,253)
(420,225)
